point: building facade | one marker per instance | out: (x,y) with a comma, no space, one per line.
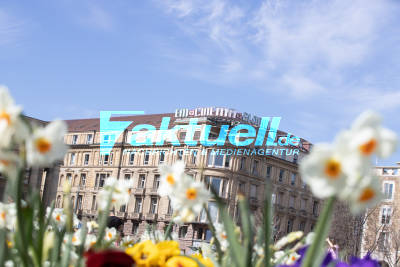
(381,228)
(295,207)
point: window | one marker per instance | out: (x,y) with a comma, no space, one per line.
(131,158)
(243,163)
(127,176)
(303,185)
(135,228)
(83,179)
(58,203)
(273,198)
(94,204)
(291,201)
(182,136)
(215,159)
(213,209)
(303,204)
(102,177)
(146,157)
(89,138)
(268,174)
(162,157)
(111,158)
(196,135)
(74,139)
(293,179)
(69,177)
(315,207)
(179,154)
(107,138)
(302,226)
(208,235)
(153,205)
(170,210)
(385,215)
(280,198)
(242,188)
(142,180)
(253,191)
(138,205)
(289,226)
(156,184)
(383,240)
(281,174)
(72,159)
(106,158)
(255,166)
(388,190)
(183,231)
(227,160)
(200,233)
(86,159)
(295,157)
(217,184)
(194,156)
(79,207)
(122,208)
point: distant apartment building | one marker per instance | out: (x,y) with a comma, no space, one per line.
(295,207)
(381,230)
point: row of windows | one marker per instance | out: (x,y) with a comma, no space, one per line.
(279,198)
(88,139)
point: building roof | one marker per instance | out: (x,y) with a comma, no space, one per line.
(85,125)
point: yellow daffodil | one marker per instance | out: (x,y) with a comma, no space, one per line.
(145,254)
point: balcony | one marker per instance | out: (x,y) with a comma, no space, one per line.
(150,217)
(152,191)
(138,191)
(134,215)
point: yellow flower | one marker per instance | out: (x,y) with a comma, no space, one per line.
(166,250)
(145,254)
(181,261)
(205,261)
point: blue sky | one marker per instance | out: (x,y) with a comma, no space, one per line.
(317,64)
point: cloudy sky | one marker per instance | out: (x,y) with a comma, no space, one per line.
(317,64)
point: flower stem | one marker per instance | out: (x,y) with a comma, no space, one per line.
(322,228)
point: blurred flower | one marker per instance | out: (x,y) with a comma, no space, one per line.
(326,169)
(368,137)
(9,263)
(8,216)
(203,260)
(111,233)
(180,261)
(166,250)
(170,177)
(90,241)
(9,164)
(144,254)
(367,261)
(119,190)
(46,145)
(10,122)
(108,258)
(75,239)
(289,238)
(221,236)
(58,216)
(365,194)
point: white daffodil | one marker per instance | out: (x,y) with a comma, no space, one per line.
(90,241)
(111,234)
(10,122)
(190,194)
(58,216)
(368,137)
(46,145)
(326,169)
(75,238)
(184,215)
(170,177)
(221,236)
(118,189)
(292,258)
(8,215)
(9,164)
(310,238)
(366,194)
(9,263)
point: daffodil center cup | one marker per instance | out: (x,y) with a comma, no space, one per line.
(369,147)
(191,193)
(43,145)
(333,168)
(5,116)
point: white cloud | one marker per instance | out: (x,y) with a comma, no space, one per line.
(11,29)
(99,18)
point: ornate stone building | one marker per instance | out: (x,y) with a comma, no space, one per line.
(86,169)
(381,230)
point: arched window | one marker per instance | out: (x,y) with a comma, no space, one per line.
(58,202)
